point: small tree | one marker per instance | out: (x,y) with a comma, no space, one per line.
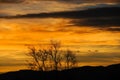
(43,57)
(55,54)
(34,64)
(70,59)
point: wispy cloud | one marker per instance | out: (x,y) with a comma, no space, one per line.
(106,18)
(62,1)
(11,7)
(77,14)
(11,1)
(88,1)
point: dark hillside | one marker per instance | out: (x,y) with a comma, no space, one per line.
(111,72)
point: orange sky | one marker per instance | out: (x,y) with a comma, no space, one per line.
(16,33)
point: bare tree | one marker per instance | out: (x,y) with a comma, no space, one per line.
(55,54)
(40,58)
(70,59)
(43,57)
(34,64)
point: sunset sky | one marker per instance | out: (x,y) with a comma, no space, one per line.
(79,33)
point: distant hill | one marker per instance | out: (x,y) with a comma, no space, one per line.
(111,72)
(87,13)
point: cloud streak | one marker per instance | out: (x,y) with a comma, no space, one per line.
(103,18)
(113,21)
(90,13)
(62,1)
(11,1)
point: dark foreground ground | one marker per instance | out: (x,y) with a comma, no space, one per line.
(111,72)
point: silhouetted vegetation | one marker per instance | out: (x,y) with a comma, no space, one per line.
(111,72)
(52,63)
(52,58)
(70,59)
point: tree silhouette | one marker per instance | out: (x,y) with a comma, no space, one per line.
(70,59)
(34,64)
(55,54)
(39,57)
(51,58)
(43,56)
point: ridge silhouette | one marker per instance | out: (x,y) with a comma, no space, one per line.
(111,72)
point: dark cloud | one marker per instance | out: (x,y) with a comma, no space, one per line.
(63,1)
(99,22)
(11,1)
(88,1)
(110,24)
(97,5)
(116,29)
(89,13)
(102,18)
